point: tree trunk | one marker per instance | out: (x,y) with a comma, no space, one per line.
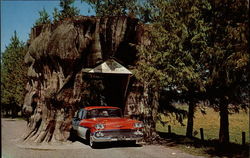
(224,124)
(150,111)
(13,110)
(142,104)
(58,57)
(190,121)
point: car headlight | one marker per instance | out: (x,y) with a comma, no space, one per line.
(138,125)
(99,126)
(138,132)
(99,134)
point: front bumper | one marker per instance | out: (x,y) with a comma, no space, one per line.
(117,135)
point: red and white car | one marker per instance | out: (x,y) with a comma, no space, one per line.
(105,124)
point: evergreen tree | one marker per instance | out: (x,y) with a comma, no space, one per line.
(173,61)
(67,10)
(228,60)
(13,75)
(113,7)
(43,19)
(56,14)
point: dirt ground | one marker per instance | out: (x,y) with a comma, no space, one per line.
(13,129)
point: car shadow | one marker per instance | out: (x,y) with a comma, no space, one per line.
(78,139)
(118,144)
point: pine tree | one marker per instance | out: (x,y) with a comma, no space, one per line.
(67,10)
(173,61)
(228,61)
(113,7)
(43,19)
(56,14)
(13,75)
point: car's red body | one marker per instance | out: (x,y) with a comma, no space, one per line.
(105,127)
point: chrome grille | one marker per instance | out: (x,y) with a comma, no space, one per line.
(119,133)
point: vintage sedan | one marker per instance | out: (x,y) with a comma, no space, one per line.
(105,124)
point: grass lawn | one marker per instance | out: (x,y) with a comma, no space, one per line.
(210,123)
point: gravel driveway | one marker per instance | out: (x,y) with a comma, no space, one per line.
(12,130)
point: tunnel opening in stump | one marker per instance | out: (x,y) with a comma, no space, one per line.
(115,79)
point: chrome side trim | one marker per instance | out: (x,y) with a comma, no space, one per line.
(109,139)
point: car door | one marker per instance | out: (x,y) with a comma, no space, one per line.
(76,120)
(81,130)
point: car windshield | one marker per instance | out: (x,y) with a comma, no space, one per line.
(95,113)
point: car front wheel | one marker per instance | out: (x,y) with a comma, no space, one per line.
(90,140)
(91,143)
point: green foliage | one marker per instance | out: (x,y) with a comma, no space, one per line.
(67,10)
(43,19)
(228,61)
(112,7)
(56,14)
(13,74)
(197,47)
(228,58)
(172,63)
(178,41)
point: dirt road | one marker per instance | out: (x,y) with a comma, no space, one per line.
(12,130)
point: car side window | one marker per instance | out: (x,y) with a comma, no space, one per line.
(84,112)
(79,115)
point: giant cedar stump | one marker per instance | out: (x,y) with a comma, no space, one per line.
(57,55)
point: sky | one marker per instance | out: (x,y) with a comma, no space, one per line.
(20,15)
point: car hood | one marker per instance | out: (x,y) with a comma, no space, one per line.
(115,123)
